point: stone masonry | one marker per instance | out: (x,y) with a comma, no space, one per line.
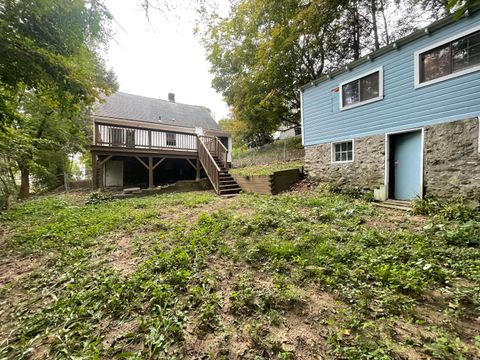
(451,162)
(366,171)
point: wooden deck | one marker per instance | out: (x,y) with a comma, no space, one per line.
(152,146)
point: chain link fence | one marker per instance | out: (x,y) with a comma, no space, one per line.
(278,151)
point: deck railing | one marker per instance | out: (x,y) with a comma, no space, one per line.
(143,138)
(209,149)
(205,147)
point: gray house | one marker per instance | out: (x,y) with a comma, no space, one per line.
(146,142)
(403,120)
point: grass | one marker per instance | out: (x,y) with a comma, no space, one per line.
(267,169)
(279,151)
(298,275)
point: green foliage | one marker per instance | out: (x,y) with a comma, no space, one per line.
(51,73)
(267,169)
(279,151)
(207,267)
(264,50)
(449,210)
(54,42)
(98,197)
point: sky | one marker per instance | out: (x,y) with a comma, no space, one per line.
(161,55)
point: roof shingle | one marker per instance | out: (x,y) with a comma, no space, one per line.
(140,108)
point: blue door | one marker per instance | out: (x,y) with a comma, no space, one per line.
(407,167)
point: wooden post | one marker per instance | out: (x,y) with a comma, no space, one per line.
(94,172)
(199,167)
(149,139)
(97,134)
(150,172)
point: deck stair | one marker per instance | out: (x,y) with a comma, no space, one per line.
(395,205)
(227,185)
(213,157)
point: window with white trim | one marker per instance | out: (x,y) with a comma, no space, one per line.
(171,139)
(450,58)
(362,90)
(342,151)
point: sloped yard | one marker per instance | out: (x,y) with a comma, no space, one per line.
(302,275)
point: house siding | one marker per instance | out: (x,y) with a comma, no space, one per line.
(403,106)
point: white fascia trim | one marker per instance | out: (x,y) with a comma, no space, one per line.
(416,60)
(332,155)
(360,103)
(301,118)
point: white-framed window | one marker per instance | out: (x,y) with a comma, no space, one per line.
(452,57)
(171,139)
(342,152)
(361,90)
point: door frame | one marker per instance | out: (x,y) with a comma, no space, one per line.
(387,157)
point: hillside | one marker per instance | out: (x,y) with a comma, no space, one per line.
(301,275)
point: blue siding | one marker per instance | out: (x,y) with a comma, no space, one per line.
(403,106)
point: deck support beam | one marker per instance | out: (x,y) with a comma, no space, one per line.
(158,163)
(150,167)
(199,167)
(101,163)
(94,171)
(150,172)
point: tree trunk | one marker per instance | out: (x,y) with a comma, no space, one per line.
(24,182)
(356,32)
(374,23)
(385,22)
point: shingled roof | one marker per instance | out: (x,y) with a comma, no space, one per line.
(140,108)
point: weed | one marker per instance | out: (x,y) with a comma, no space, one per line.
(275,247)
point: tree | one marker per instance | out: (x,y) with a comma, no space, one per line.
(50,74)
(265,50)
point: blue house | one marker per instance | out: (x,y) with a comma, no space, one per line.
(403,120)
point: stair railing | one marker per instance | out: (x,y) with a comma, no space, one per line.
(222,153)
(206,145)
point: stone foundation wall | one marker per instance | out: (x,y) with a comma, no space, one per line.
(452,160)
(366,171)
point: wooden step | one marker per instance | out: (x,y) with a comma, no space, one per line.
(226,186)
(395,204)
(235,190)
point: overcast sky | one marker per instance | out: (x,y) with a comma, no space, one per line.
(161,56)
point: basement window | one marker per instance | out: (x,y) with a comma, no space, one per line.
(362,89)
(342,152)
(171,139)
(451,58)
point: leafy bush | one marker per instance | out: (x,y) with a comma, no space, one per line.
(99,197)
(456,210)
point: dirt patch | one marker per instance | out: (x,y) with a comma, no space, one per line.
(123,258)
(303,330)
(305,333)
(396,220)
(12,269)
(117,332)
